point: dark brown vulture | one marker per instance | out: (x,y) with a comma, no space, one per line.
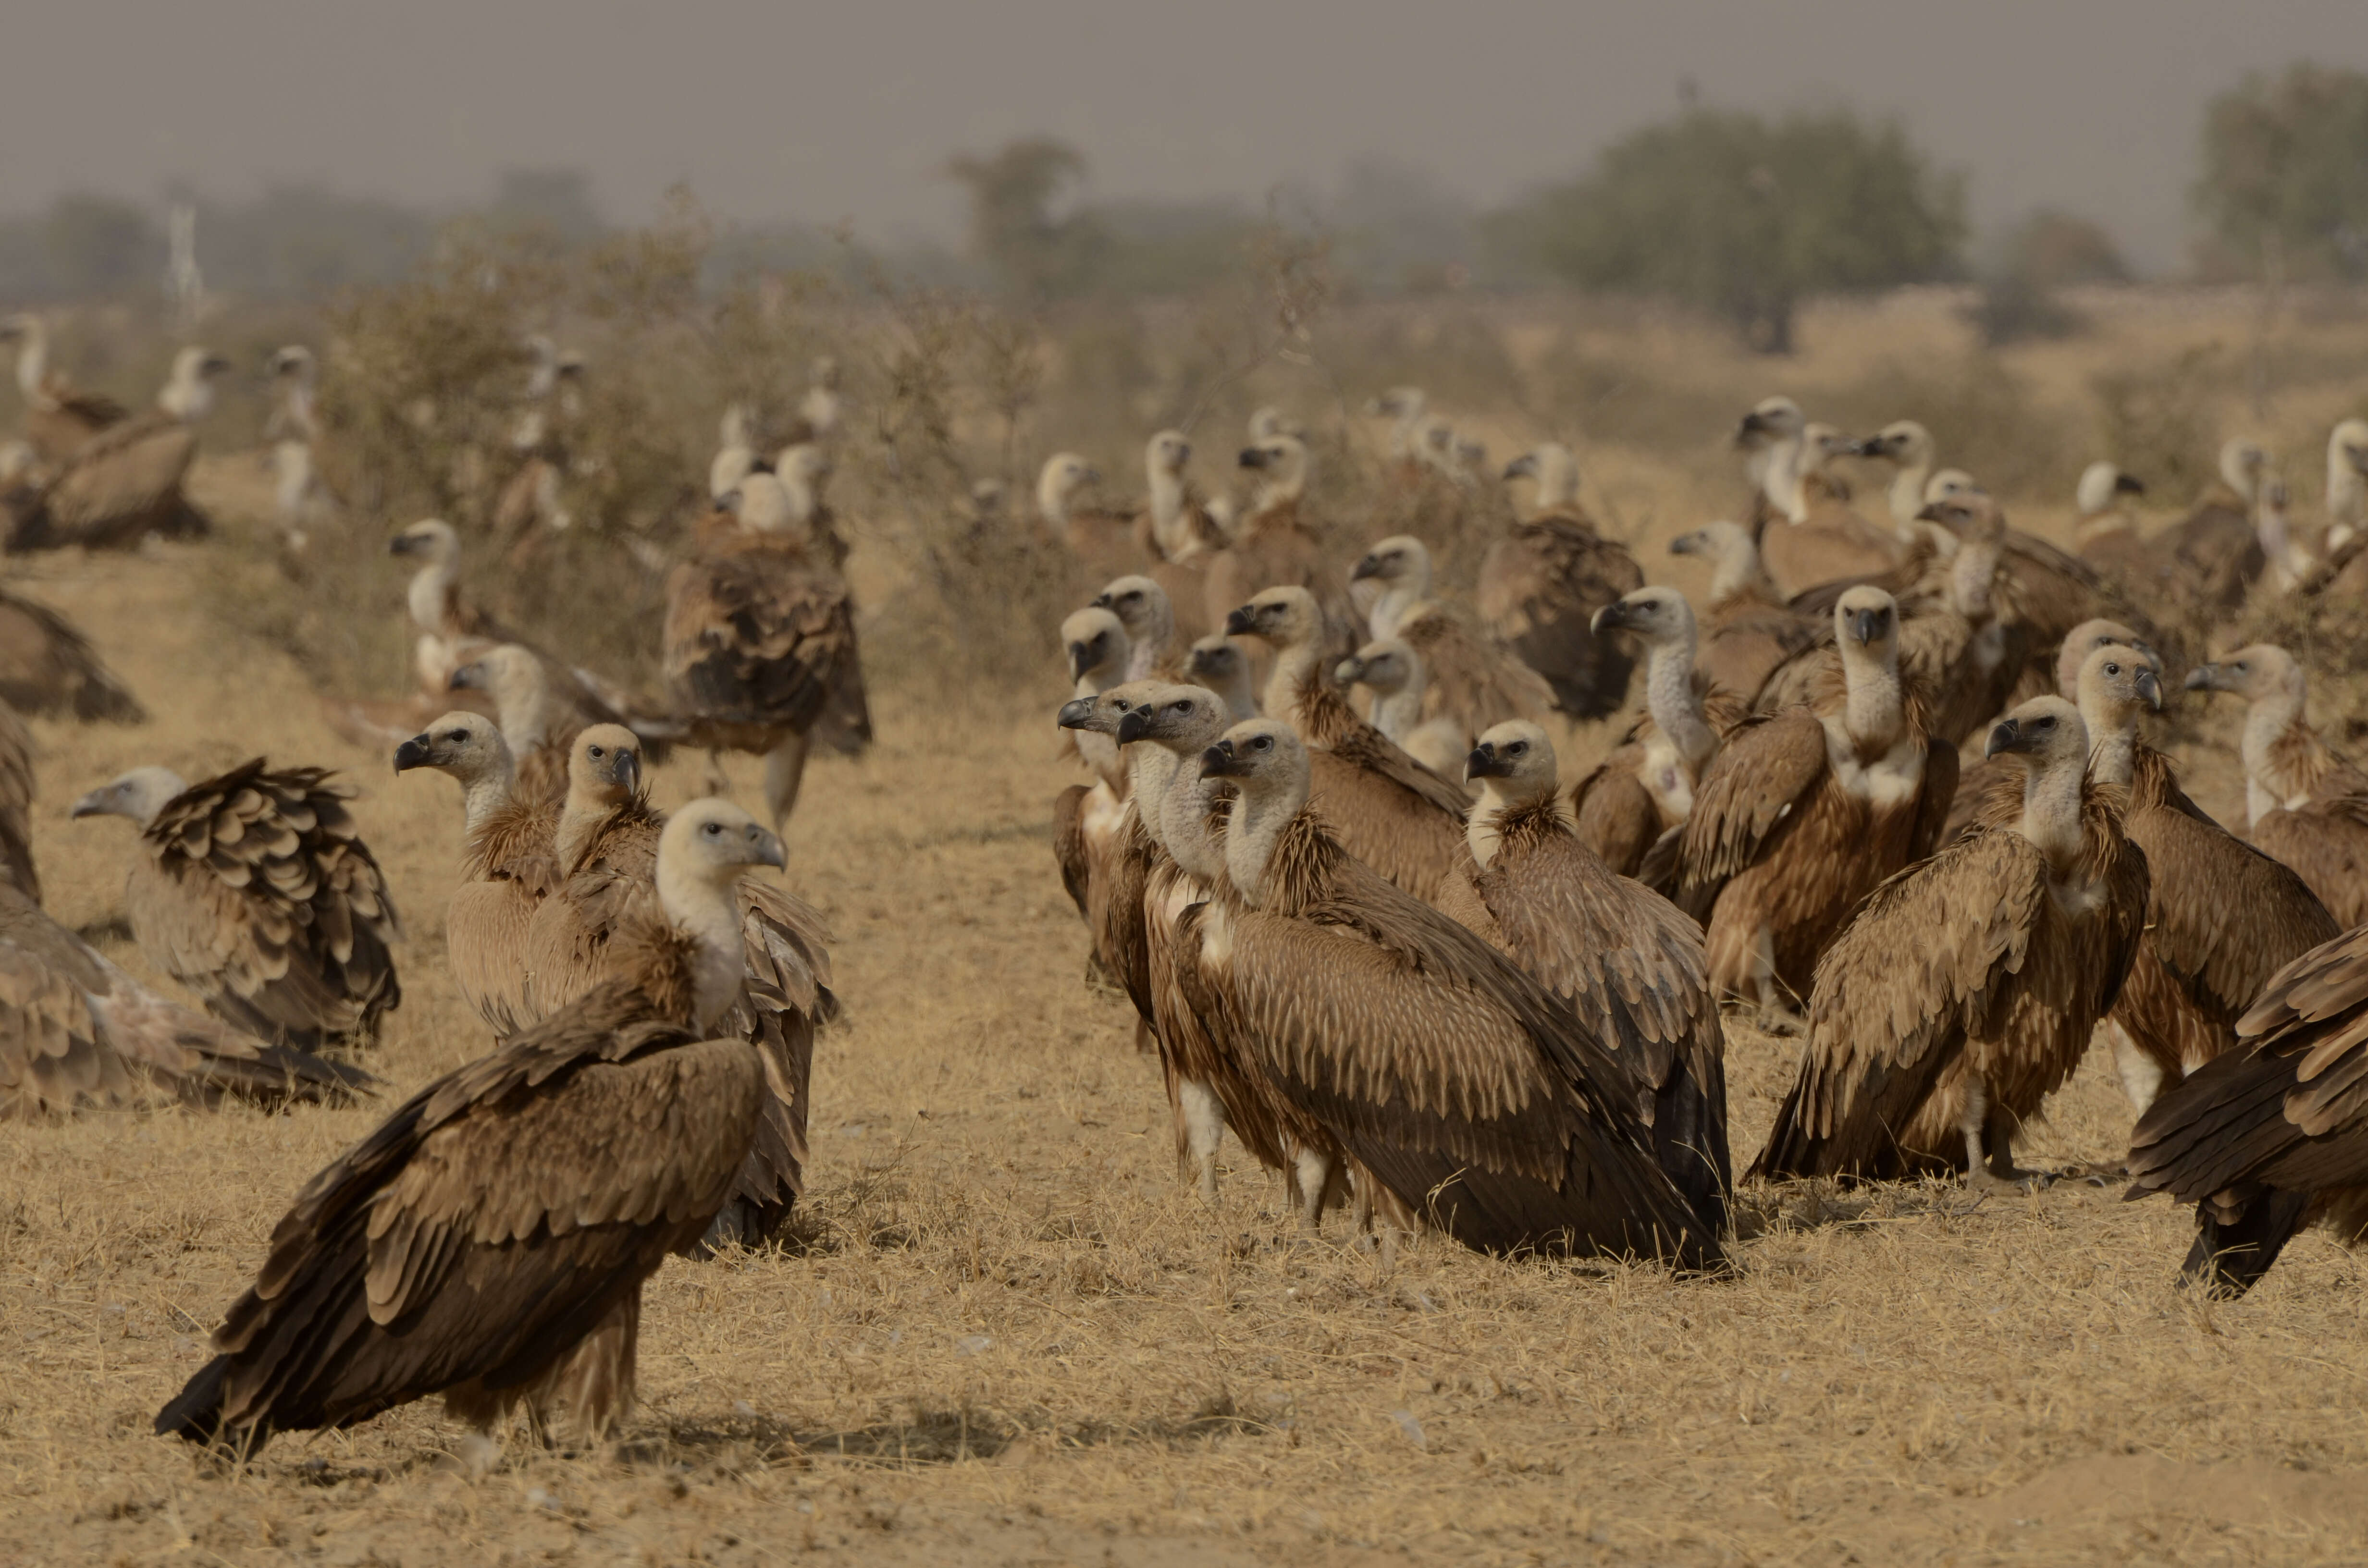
(47,668)
(125,482)
(1542,582)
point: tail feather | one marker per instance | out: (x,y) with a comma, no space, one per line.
(2230,1257)
(195,1414)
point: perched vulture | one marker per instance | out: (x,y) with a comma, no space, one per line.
(1272,546)
(2269,1137)
(1965,993)
(2346,538)
(1457,1086)
(47,668)
(1909,448)
(1178,534)
(1085,817)
(1388,810)
(16,806)
(1148,616)
(1103,544)
(1119,845)
(489,1241)
(1802,814)
(510,864)
(58,420)
(1619,955)
(76,1031)
(2214,554)
(1217,663)
(2107,537)
(124,482)
(255,889)
(1974,783)
(2222,917)
(1747,631)
(1812,534)
(452,632)
(1542,582)
(541,708)
(2308,807)
(1647,786)
(1399,679)
(759,642)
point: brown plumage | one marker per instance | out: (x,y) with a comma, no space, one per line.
(1647,786)
(1800,816)
(1975,783)
(125,482)
(1120,851)
(489,1241)
(47,668)
(1102,544)
(17,805)
(1622,958)
(2309,806)
(542,706)
(2269,1137)
(2214,555)
(59,418)
(255,889)
(759,645)
(1272,546)
(1390,811)
(1541,583)
(76,1031)
(1747,630)
(1816,537)
(1965,993)
(1453,1081)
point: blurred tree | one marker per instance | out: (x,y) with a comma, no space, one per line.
(96,245)
(2045,251)
(558,201)
(1015,226)
(1732,213)
(2285,184)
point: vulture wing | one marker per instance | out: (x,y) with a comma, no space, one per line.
(47,668)
(1471,681)
(758,644)
(1540,587)
(2326,844)
(1757,780)
(125,483)
(17,804)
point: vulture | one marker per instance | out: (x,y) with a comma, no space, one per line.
(2307,806)
(1390,811)
(1178,532)
(529,505)
(1459,1089)
(1409,443)
(541,707)
(16,806)
(1621,958)
(489,1240)
(2287,564)
(76,1031)
(606,845)
(1399,679)
(822,409)
(1086,817)
(1118,846)
(2269,1137)
(1802,815)
(58,419)
(124,482)
(48,670)
(759,642)
(1974,783)
(1542,582)
(1747,630)
(1647,786)
(255,889)
(1474,681)
(1909,448)
(2347,512)
(1102,543)
(2222,917)
(453,629)
(2214,554)
(510,863)
(1965,990)
(1811,536)
(1272,545)
(735,452)
(1148,617)
(2107,537)
(1217,663)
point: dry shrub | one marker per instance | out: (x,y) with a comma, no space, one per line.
(2157,420)
(1985,420)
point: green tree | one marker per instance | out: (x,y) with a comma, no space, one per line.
(2285,182)
(1733,213)
(1015,226)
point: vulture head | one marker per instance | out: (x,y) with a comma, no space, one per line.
(1097,645)
(2261,671)
(1142,607)
(1104,712)
(514,677)
(1771,419)
(1949,483)
(1181,719)
(1262,756)
(464,744)
(2346,452)
(605,767)
(762,504)
(431,538)
(1400,560)
(701,853)
(1716,540)
(1167,453)
(1385,666)
(1399,403)
(2242,463)
(295,363)
(1269,422)
(1902,442)
(2046,731)
(1284,618)
(801,469)
(2086,638)
(1553,468)
(1520,757)
(1216,661)
(1057,483)
(1970,516)
(1658,616)
(1866,620)
(2101,488)
(1281,460)
(138,794)
(189,393)
(18,325)
(2119,683)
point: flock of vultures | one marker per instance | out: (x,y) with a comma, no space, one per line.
(1891,792)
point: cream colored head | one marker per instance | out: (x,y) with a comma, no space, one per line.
(1947,483)
(1661,617)
(1058,482)
(1387,667)
(2347,473)
(1269,422)
(1902,442)
(1283,617)
(295,363)
(1553,468)
(1167,453)
(2242,463)
(514,677)
(1771,419)
(1103,713)
(1185,720)
(1399,403)
(465,745)
(1097,645)
(2047,733)
(2262,672)
(1218,662)
(763,504)
(1516,759)
(1281,464)
(802,467)
(2086,638)
(1143,608)
(1400,560)
(2101,488)
(1866,624)
(138,794)
(1971,515)
(604,768)
(2120,684)
(432,540)
(1264,758)
(189,393)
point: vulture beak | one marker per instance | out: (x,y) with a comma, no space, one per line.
(1368,566)
(1101,601)
(1253,458)
(1092,476)
(1752,426)
(1075,713)
(399,545)
(2204,678)
(1867,625)
(1521,466)
(1873,447)
(411,753)
(629,771)
(88,806)
(1688,544)
(1221,761)
(1612,617)
(1081,659)
(213,365)
(1348,671)
(1932,513)
(2359,456)
(468,677)
(770,850)
(1484,763)
(1241,622)
(2126,485)
(1132,725)
(2008,736)
(2150,688)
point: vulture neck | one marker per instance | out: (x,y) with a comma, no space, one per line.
(187,398)
(711,916)
(2270,726)
(431,596)
(2051,814)
(1389,611)
(1150,773)
(1972,576)
(1874,711)
(1294,672)
(1676,706)
(1396,714)
(526,713)
(1279,492)
(1557,486)
(1484,830)
(487,791)
(579,821)
(1739,575)
(33,365)
(1168,528)
(1786,476)
(2346,494)
(1052,502)
(1184,819)
(1145,652)
(1253,829)
(1241,697)
(1906,494)
(2113,760)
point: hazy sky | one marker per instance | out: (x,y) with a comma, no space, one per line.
(775,110)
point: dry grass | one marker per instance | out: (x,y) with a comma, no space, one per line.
(1008,1335)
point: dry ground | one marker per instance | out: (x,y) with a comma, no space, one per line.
(1008,1335)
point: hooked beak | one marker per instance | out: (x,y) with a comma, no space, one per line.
(1075,713)
(1612,617)
(1101,601)
(1688,544)
(468,677)
(1873,447)
(1221,761)
(1866,625)
(1484,763)
(1348,671)
(88,806)
(1522,467)
(2124,484)
(1253,458)
(411,753)
(1241,622)
(400,544)
(1132,724)
(2204,678)
(1368,566)
(629,771)
(2007,736)
(1752,426)
(2150,688)
(1081,659)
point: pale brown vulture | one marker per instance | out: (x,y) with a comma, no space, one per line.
(58,419)
(489,1241)
(1542,582)
(1811,535)
(2307,805)
(2269,1137)
(1747,632)
(124,482)
(17,805)
(1647,786)
(1459,1089)
(1217,663)
(2215,553)
(1085,817)
(1399,679)
(1800,816)
(1621,957)
(541,708)
(1974,783)
(48,670)
(759,643)
(255,889)
(1272,545)
(1965,993)
(1144,611)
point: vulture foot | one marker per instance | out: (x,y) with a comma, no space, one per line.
(1776,1018)
(1988,1182)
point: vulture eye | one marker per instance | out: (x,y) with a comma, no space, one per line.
(458,735)
(1262,743)
(1519,748)
(2112,669)
(2239,665)
(597,751)
(713,830)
